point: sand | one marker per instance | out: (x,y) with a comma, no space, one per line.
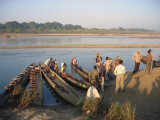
(142,90)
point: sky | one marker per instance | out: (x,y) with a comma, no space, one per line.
(87,13)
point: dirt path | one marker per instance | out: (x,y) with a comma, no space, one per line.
(63,112)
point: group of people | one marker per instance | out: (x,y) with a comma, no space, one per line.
(105,71)
(52,63)
(108,70)
(148,60)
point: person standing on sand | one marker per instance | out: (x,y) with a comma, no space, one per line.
(119,71)
(137,57)
(152,59)
(107,65)
(94,76)
(148,62)
(102,72)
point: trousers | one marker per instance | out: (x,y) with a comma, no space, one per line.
(148,67)
(102,84)
(119,82)
(136,68)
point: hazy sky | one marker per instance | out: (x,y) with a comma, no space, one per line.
(88,13)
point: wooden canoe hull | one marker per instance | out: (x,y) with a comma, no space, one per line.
(156,63)
(39,88)
(75,81)
(23,80)
(83,72)
(62,88)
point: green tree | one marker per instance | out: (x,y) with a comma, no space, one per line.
(32,25)
(12,25)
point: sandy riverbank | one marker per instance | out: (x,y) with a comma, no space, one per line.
(83,46)
(141,90)
(83,34)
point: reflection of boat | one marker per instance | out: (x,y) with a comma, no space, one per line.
(83,72)
(61,87)
(75,81)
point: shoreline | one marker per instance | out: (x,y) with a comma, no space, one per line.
(82,34)
(83,46)
(141,90)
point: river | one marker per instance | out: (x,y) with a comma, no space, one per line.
(13,61)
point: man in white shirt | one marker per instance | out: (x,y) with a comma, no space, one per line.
(92,93)
(119,71)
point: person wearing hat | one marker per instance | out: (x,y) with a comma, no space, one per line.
(137,57)
(74,61)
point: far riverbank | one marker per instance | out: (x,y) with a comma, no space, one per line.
(149,34)
(82,46)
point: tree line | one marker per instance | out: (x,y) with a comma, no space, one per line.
(56,27)
(15,26)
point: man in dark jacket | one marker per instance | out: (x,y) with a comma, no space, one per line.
(94,76)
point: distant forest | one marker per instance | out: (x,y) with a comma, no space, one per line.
(56,27)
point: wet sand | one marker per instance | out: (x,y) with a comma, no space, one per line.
(83,46)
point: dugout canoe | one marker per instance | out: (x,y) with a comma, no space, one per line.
(75,81)
(143,60)
(36,83)
(83,72)
(22,80)
(156,63)
(62,88)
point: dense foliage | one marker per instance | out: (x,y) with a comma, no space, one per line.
(16,27)
(56,27)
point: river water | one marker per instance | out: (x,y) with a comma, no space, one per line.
(54,40)
(13,61)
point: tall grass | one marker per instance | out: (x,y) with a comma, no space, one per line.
(121,112)
(114,111)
